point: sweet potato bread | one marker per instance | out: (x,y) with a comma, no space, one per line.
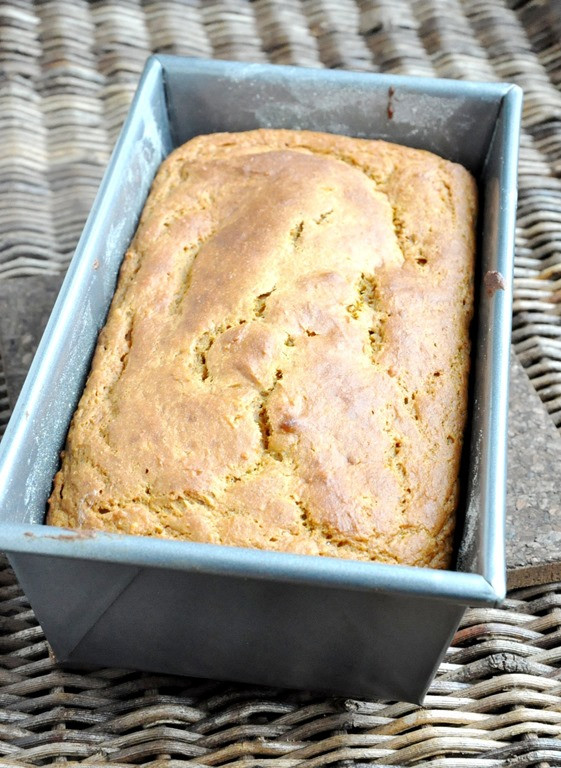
(285,361)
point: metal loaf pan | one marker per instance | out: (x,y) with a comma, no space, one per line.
(360,629)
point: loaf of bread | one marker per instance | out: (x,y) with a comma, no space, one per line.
(285,361)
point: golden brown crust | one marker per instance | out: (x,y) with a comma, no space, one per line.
(285,362)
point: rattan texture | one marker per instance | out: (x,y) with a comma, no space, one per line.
(496,701)
(68,72)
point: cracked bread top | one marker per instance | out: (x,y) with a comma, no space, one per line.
(285,361)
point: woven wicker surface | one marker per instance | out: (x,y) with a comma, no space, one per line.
(495,702)
(69,70)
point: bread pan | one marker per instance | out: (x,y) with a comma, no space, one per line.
(354,628)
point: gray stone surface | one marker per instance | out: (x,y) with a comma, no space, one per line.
(533,534)
(25,306)
(534,488)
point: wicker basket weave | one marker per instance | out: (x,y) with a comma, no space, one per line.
(69,69)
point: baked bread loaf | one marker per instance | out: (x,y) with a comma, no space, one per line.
(285,361)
